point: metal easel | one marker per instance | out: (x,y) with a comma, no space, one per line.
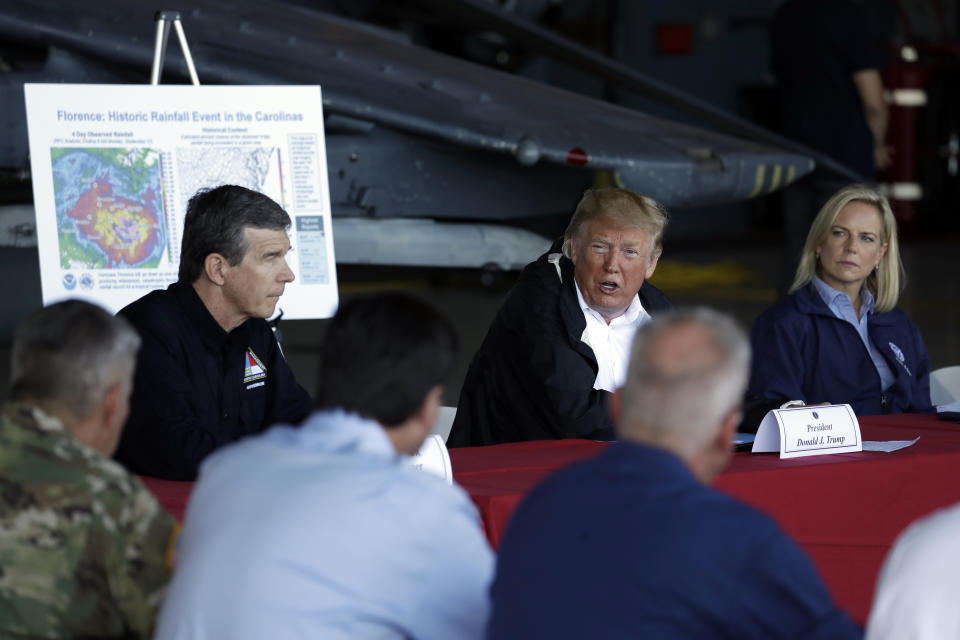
(164,19)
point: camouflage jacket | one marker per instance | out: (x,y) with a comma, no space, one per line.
(84,548)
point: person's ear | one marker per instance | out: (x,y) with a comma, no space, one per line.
(410,437)
(112,404)
(108,419)
(728,430)
(654,258)
(215,267)
(426,415)
(430,409)
(573,250)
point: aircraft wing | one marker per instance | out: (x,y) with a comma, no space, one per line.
(380,88)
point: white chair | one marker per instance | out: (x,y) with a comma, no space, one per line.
(945,385)
(445,421)
(434,458)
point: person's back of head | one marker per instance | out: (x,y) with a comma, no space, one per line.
(685,383)
(75,361)
(215,221)
(385,357)
(85,545)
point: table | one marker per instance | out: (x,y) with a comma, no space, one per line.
(172,494)
(844,510)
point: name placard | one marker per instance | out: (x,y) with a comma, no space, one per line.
(809,431)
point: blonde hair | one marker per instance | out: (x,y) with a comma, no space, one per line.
(621,208)
(886,282)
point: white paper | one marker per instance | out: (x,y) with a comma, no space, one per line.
(434,458)
(888,445)
(950,407)
(809,431)
(114,165)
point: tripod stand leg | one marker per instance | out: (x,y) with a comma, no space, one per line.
(159,48)
(186,52)
(164,19)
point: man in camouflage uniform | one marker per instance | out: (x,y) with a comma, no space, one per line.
(84,548)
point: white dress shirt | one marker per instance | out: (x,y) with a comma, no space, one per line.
(611,342)
(916,594)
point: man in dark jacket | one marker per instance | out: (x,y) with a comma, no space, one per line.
(560,343)
(210,370)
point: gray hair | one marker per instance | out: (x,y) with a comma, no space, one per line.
(620,208)
(67,354)
(681,403)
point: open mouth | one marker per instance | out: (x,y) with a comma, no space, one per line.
(609,287)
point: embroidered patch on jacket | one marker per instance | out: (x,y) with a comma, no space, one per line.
(898,354)
(253,368)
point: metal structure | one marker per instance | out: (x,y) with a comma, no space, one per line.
(413,136)
(164,20)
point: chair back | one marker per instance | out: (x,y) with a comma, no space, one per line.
(434,458)
(444,422)
(945,385)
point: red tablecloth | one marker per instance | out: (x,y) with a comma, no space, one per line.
(845,510)
(172,495)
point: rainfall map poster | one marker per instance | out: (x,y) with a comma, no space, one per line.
(115,165)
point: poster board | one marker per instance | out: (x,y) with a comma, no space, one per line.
(114,166)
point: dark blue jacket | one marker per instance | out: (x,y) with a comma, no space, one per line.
(197,387)
(630,545)
(532,378)
(801,351)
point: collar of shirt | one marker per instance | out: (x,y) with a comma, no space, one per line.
(209,329)
(611,342)
(337,431)
(23,413)
(29,424)
(840,304)
(841,307)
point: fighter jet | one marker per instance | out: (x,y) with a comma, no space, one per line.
(432,160)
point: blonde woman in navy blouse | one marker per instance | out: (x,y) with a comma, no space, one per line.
(838,337)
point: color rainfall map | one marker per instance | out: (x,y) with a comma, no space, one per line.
(113,172)
(109,207)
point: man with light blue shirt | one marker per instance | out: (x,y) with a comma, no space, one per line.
(326,530)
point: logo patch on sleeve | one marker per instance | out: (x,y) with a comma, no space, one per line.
(253,368)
